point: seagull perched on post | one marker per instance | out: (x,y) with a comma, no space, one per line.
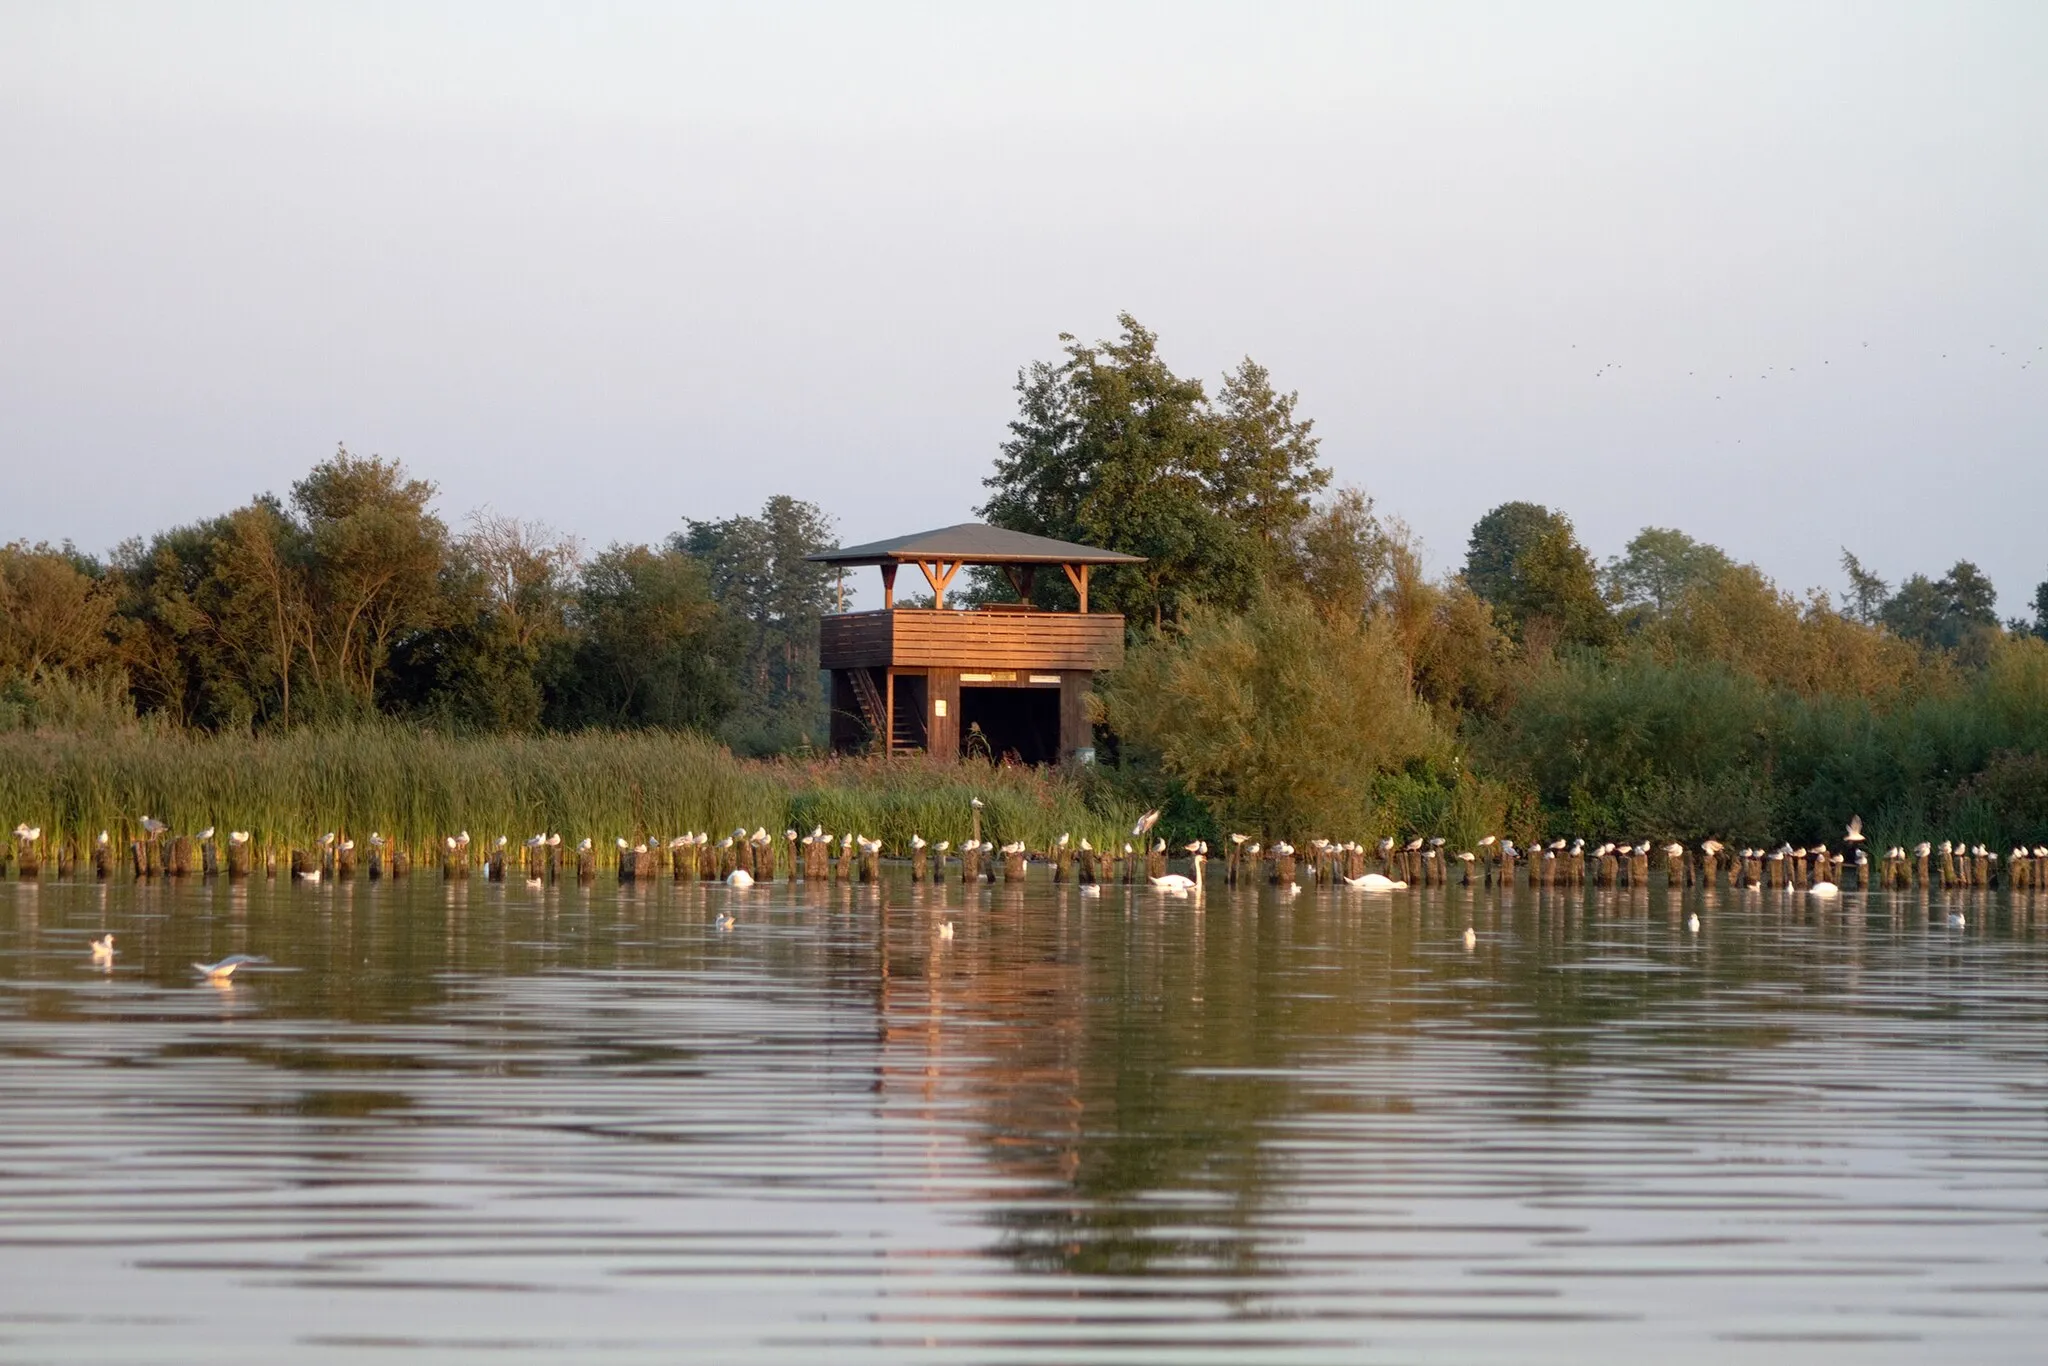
(152,826)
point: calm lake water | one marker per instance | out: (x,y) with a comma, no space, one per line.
(467,1122)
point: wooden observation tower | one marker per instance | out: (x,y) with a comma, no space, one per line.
(946,680)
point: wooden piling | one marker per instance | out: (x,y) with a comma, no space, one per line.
(970,863)
(842,870)
(1283,865)
(1013,864)
(1155,859)
(920,859)
(871,861)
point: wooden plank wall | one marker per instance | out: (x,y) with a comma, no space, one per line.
(932,639)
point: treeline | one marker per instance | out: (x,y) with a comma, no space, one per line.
(351,599)
(1304,675)
(1293,669)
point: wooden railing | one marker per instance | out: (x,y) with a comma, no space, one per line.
(927,638)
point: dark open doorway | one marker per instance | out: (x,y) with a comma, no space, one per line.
(1024,722)
(908,725)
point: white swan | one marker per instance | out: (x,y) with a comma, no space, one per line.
(1375,882)
(739,879)
(1179,884)
(1826,891)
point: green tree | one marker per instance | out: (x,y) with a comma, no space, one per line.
(1281,718)
(1340,554)
(374,556)
(503,638)
(1659,566)
(1111,448)
(1556,589)
(1943,613)
(1527,562)
(758,574)
(1266,476)
(1499,540)
(54,614)
(653,650)
(1867,592)
(213,617)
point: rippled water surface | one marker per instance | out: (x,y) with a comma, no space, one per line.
(473,1122)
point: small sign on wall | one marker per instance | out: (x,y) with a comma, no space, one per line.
(938,706)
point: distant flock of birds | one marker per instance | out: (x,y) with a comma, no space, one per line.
(742,859)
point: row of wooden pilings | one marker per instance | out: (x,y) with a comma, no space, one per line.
(820,857)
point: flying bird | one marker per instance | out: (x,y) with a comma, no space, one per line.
(224,970)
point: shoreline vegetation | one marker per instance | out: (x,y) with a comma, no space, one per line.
(416,790)
(341,659)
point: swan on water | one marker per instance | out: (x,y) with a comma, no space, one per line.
(1178,884)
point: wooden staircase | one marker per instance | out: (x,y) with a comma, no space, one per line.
(870,699)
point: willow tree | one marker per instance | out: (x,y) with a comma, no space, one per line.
(1281,718)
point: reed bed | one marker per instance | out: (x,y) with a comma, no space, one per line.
(417,788)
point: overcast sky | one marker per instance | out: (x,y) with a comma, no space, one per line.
(1777,275)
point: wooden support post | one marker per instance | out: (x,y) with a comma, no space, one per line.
(888,586)
(1077,575)
(938,574)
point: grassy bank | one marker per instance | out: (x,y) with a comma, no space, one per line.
(416,788)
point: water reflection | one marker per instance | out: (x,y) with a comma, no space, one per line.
(571,1120)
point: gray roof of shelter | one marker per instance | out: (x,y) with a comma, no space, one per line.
(973,543)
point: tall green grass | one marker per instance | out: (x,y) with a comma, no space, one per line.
(418,787)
